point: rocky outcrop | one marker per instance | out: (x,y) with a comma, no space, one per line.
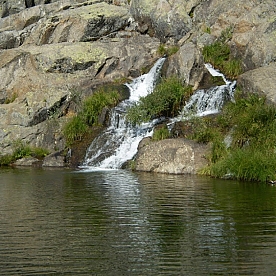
(261,81)
(54,160)
(53,52)
(167,20)
(251,25)
(187,64)
(174,156)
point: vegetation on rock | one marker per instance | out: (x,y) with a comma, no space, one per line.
(161,133)
(89,114)
(250,152)
(167,99)
(219,55)
(168,51)
(21,150)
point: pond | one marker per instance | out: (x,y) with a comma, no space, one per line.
(117,222)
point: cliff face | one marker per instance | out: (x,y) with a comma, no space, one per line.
(51,49)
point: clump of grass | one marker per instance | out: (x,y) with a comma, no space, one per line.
(251,155)
(11,99)
(168,51)
(167,99)
(205,130)
(250,164)
(21,150)
(75,129)
(219,55)
(93,106)
(6,160)
(89,113)
(161,133)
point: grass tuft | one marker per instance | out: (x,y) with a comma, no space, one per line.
(89,114)
(166,100)
(251,155)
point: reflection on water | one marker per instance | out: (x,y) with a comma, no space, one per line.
(57,222)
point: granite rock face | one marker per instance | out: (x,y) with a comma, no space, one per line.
(50,52)
(261,80)
(54,50)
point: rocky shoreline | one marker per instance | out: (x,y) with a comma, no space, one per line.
(51,51)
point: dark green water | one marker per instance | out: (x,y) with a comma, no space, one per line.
(56,222)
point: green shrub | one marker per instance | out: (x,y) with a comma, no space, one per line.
(163,50)
(253,121)
(167,99)
(39,152)
(88,116)
(232,68)
(216,54)
(251,155)
(206,130)
(248,164)
(75,129)
(161,133)
(6,160)
(20,149)
(219,55)
(93,105)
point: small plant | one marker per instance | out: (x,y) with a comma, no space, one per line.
(251,155)
(161,133)
(88,116)
(39,153)
(248,164)
(232,68)
(163,50)
(11,99)
(167,99)
(6,160)
(20,149)
(93,105)
(75,129)
(226,35)
(216,53)
(207,30)
(219,55)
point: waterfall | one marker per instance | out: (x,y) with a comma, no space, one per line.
(208,101)
(119,142)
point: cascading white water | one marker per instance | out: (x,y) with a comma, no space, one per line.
(120,141)
(204,102)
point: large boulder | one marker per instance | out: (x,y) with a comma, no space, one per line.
(173,156)
(260,81)
(164,19)
(187,64)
